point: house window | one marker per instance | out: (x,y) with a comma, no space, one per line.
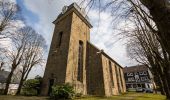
(146,78)
(129,74)
(140,73)
(144,73)
(111,73)
(136,73)
(131,79)
(143,78)
(80,62)
(59,39)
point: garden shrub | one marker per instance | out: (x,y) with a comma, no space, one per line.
(64,91)
(1,91)
(78,95)
(31,87)
(29,92)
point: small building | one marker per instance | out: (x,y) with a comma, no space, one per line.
(138,76)
(74,59)
(13,86)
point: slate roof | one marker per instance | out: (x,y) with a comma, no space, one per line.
(136,68)
(4,75)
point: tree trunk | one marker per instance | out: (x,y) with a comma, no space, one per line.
(20,84)
(1,65)
(8,81)
(160,11)
(164,81)
(161,86)
(168,84)
(166,87)
(168,75)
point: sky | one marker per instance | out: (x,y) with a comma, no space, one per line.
(41,13)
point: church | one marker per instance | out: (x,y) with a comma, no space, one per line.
(73,59)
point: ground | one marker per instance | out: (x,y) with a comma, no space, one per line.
(128,96)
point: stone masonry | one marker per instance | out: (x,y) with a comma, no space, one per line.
(73,59)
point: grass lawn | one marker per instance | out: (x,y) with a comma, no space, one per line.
(128,96)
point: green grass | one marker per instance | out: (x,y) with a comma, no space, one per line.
(9,97)
(127,96)
(151,97)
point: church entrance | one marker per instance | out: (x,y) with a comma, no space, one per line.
(51,83)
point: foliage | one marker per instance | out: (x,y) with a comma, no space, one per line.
(64,91)
(31,87)
(78,95)
(1,91)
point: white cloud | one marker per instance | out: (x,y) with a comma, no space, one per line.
(47,11)
(6,42)
(103,36)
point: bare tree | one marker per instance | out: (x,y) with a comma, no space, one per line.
(160,12)
(145,48)
(15,54)
(33,56)
(9,12)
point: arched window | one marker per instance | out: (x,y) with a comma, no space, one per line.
(59,39)
(80,62)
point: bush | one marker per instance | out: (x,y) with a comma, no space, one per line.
(78,95)
(1,91)
(29,92)
(31,87)
(64,91)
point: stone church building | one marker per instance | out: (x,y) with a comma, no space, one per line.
(73,59)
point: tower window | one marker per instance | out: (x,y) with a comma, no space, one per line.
(80,62)
(111,73)
(59,39)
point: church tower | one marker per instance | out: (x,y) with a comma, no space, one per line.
(67,56)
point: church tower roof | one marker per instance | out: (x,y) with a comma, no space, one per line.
(76,9)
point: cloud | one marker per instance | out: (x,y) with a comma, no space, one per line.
(104,37)
(47,11)
(6,43)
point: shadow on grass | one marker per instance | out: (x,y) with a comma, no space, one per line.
(126,96)
(10,97)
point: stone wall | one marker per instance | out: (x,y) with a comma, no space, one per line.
(100,72)
(109,88)
(79,32)
(123,81)
(57,58)
(95,82)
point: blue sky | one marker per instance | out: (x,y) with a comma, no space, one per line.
(41,13)
(30,17)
